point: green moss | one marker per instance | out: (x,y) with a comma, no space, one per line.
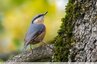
(64,40)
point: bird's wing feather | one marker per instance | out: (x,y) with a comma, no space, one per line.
(33,32)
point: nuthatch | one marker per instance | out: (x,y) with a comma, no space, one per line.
(36,31)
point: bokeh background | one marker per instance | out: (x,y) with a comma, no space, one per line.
(16,16)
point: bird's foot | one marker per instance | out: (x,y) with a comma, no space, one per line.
(31,48)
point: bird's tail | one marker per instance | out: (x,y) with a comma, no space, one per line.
(24,48)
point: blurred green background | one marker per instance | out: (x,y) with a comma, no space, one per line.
(16,16)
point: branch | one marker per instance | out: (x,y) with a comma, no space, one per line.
(43,52)
(5,56)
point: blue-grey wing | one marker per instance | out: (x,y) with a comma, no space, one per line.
(33,32)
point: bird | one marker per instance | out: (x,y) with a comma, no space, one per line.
(36,31)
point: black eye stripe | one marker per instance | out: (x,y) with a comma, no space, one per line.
(37,17)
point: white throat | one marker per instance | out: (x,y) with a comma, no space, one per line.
(39,20)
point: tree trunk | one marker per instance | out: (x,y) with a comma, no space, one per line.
(77,38)
(85,33)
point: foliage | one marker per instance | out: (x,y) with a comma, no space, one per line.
(1,26)
(64,40)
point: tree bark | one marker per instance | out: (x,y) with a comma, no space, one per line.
(77,38)
(85,32)
(43,53)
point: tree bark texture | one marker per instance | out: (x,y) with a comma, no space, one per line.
(43,53)
(85,32)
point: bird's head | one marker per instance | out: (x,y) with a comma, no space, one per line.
(39,19)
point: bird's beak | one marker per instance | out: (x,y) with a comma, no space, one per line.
(45,13)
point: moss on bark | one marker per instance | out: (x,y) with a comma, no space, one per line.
(64,39)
